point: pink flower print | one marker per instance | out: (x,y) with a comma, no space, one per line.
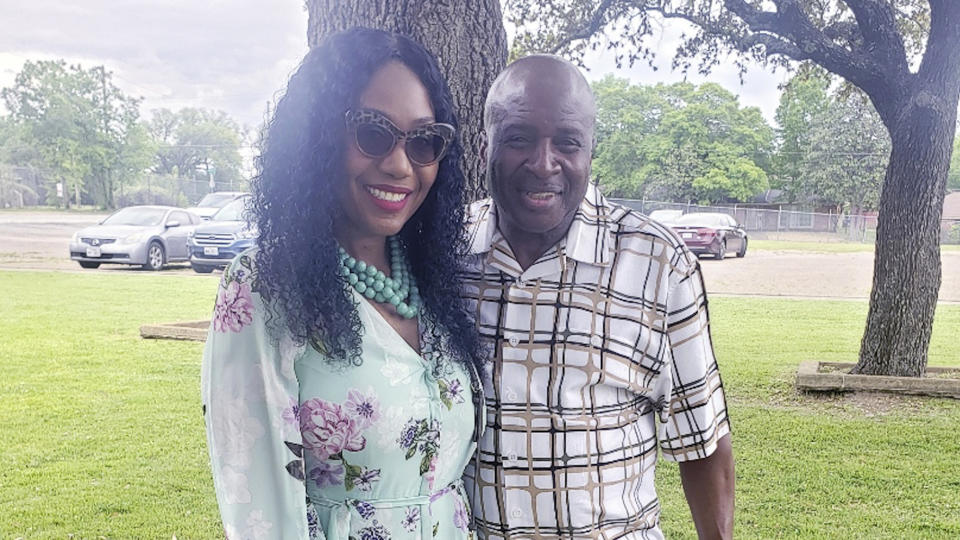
(234,308)
(366,409)
(431,472)
(291,414)
(328,430)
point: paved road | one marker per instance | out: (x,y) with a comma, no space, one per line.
(38,240)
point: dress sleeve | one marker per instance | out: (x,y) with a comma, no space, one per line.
(250,401)
(694,416)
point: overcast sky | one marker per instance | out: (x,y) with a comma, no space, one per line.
(233,55)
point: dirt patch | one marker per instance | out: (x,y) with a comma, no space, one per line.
(809,274)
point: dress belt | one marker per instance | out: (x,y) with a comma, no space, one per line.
(338,528)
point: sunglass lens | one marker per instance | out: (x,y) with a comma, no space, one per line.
(425,149)
(374,140)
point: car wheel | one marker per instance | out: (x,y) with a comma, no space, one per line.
(155,256)
(86,264)
(743,248)
(722,250)
(201,268)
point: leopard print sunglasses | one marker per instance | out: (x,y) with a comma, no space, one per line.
(376,136)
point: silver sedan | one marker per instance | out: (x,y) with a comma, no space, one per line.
(149,236)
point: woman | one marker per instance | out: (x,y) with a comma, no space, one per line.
(339,368)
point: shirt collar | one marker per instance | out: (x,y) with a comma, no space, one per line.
(588,240)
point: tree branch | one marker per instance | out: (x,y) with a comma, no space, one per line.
(594,25)
(882,40)
(940,62)
(790,22)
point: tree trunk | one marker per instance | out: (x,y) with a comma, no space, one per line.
(467,36)
(907,267)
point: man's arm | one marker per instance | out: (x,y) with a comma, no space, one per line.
(708,486)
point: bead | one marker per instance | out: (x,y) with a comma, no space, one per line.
(398,289)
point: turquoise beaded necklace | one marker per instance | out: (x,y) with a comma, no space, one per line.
(398,290)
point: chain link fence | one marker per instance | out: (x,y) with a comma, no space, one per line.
(792,224)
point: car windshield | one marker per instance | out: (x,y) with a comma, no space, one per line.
(232,211)
(144,217)
(703,220)
(216,200)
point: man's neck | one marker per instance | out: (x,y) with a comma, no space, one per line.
(527,246)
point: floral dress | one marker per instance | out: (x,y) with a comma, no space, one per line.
(301,449)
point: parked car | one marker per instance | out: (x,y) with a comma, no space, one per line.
(215,243)
(150,236)
(712,233)
(211,203)
(666,217)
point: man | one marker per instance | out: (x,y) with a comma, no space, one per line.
(598,323)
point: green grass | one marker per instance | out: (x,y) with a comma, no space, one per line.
(102,433)
(824,247)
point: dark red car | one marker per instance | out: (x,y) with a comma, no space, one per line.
(712,233)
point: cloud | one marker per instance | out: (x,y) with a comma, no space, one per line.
(231,55)
(236,55)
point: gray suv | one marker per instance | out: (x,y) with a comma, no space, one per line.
(216,242)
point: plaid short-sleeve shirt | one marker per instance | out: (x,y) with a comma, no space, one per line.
(602,355)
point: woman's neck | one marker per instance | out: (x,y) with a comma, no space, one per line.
(369,249)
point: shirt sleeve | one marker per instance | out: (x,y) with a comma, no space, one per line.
(694,417)
(250,399)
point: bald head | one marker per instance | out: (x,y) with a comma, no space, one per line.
(534,75)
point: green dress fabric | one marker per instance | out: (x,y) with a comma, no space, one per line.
(303,449)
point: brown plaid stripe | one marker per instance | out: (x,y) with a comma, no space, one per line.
(599,341)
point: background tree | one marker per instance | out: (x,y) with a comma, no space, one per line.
(803,104)
(901,53)
(195,145)
(81,127)
(847,154)
(466,35)
(679,142)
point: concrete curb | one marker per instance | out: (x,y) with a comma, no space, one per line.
(184,330)
(810,379)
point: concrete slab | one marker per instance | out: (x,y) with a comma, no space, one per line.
(812,378)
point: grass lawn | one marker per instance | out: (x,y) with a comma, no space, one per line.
(824,247)
(103,436)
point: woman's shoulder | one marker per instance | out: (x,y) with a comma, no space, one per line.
(243,268)
(237,302)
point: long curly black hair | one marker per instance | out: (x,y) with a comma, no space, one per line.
(299,169)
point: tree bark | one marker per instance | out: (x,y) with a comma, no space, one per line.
(907,266)
(467,36)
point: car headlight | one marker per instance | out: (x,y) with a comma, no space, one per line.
(76,237)
(190,236)
(246,234)
(133,238)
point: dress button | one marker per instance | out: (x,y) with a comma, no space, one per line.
(514,341)
(512,457)
(516,513)
(520,283)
